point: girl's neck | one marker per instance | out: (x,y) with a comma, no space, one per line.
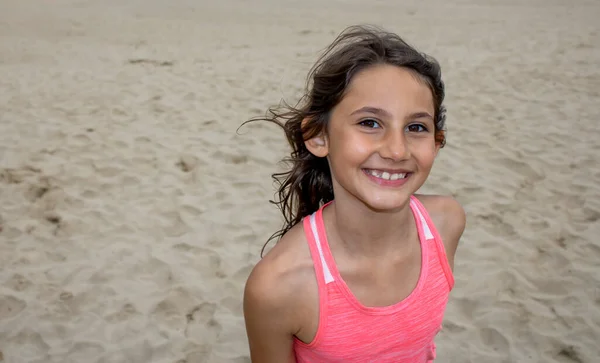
(365,232)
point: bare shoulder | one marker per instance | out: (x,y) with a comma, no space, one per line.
(276,278)
(272,307)
(449,217)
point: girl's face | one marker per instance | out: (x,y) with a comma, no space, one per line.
(380,139)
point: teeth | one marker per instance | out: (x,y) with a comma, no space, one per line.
(375,173)
(387,176)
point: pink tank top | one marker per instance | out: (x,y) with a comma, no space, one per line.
(351,332)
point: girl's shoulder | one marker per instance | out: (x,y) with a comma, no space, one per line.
(449,218)
(443,204)
(281,283)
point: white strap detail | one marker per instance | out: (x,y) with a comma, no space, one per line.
(326,273)
(426,230)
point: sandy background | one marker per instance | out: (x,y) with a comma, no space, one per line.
(131,211)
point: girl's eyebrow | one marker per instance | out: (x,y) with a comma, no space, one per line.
(382,112)
(373,110)
(420,115)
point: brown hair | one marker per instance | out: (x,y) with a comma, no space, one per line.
(307,184)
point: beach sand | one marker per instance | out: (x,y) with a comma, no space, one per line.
(131,212)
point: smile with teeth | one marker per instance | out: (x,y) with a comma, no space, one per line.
(385,175)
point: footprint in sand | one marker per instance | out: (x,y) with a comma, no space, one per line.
(202,327)
(519,167)
(493,339)
(207,258)
(37,348)
(198,355)
(17,176)
(550,288)
(86,351)
(173,224)
(80,140)
(18,283)
(494,222)
(453,328)
(229,158)
(468,308)
(125,313)
(10,306)
(172,310)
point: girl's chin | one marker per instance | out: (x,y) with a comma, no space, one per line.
(383,202)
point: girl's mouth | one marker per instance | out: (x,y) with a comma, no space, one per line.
(387,178)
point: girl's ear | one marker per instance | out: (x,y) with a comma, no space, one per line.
(440,139)
(318,145)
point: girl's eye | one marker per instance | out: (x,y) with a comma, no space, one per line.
(416,128)
(370,123)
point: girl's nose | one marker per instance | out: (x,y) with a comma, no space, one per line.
(394,147)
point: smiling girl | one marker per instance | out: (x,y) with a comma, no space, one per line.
(363,267)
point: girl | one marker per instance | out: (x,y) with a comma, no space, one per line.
(363,267)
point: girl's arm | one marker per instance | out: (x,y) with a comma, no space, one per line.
(268,316)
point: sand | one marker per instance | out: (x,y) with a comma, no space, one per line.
(131,212)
